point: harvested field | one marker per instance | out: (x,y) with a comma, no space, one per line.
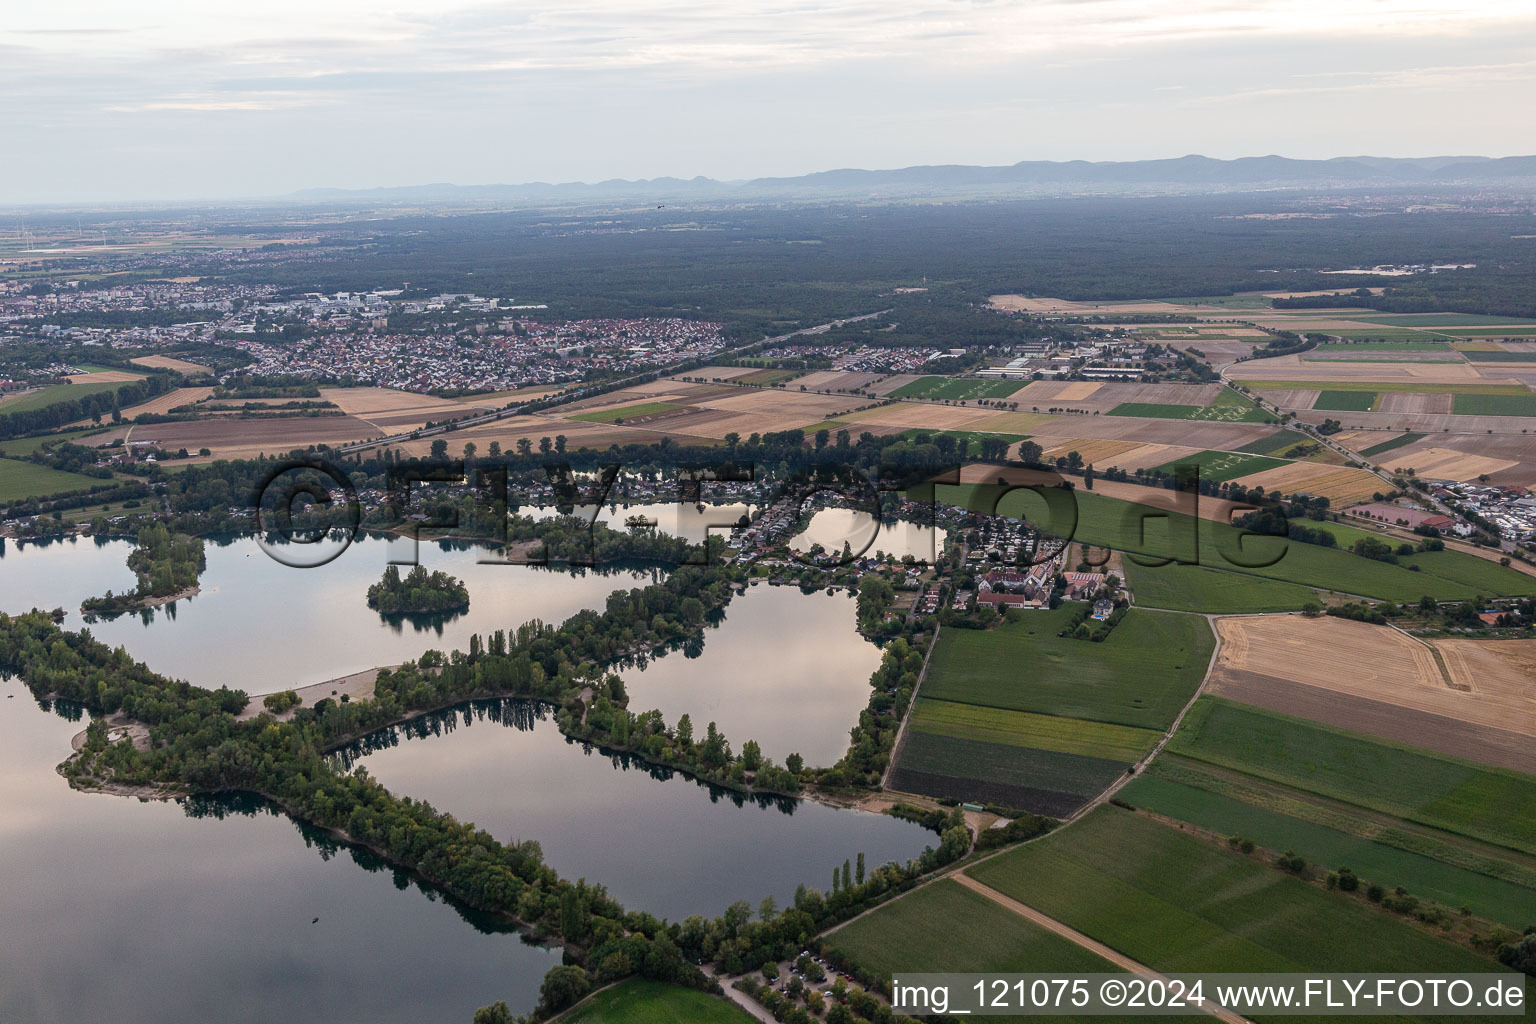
(915,414)
(722,372)
(1447,463)
(168,401)
(233,438)
(1340,485)
(1410,402)
(1095,451)
(508,431)
(104,377)
(1076,391)
(394,412)
(160,404)
(169,363)
(1501,668)
(837,380)
(893,382)
(792,407)
(957,388)
(1489,686)
(1293,398)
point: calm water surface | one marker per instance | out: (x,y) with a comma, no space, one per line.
(659,841)
(120,910)
(209,918)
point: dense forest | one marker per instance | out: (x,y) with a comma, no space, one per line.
(166,564)
(766,270)
(418,592)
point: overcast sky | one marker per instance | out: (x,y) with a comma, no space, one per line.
(170,99)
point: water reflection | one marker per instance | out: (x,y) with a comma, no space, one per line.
(660,842)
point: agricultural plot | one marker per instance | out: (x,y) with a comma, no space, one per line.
(1140,676)
(1450,464)
(233,437)
(18,447)
(20,480)
(1220,466)
(1023,729)
(1403,858)
(1195,588)
(55,393)
(1495,405)
(1177,903)
(1218,413)
(956,389)
(1494,805)
(625,413)
(1401,441)
(392,411)
(1443,320)
(183,366)
(1346,401)
(1489,356)
(161,404)
(1386,386)
(1029,779)
(1387,666)
(1391,346)
(947,927)
(1280,441)
(1341,485)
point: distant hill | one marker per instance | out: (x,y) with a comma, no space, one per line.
(1186,173)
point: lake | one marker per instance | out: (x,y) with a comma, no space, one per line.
(209,917)
(129,911)
(867,536)
(659,841)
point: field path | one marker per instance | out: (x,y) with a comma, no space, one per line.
(1076,937)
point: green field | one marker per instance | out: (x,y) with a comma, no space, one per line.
(1177,903)
(55,393)
(1448,885)
(1495,405)
(1443,320)
(1386,446)
(637,1001)
(1390,346)
(1222,413)
(1220,466)
(958,389)
(1491,804)
(1194,588)
(20,480)
(1345,401)
(1023,729)
(1499,357)
(1039,781)
(1279,441)
(1111,522)
(1411,387)
(947,927)
(628,412)
(1140,676)
(18,447)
